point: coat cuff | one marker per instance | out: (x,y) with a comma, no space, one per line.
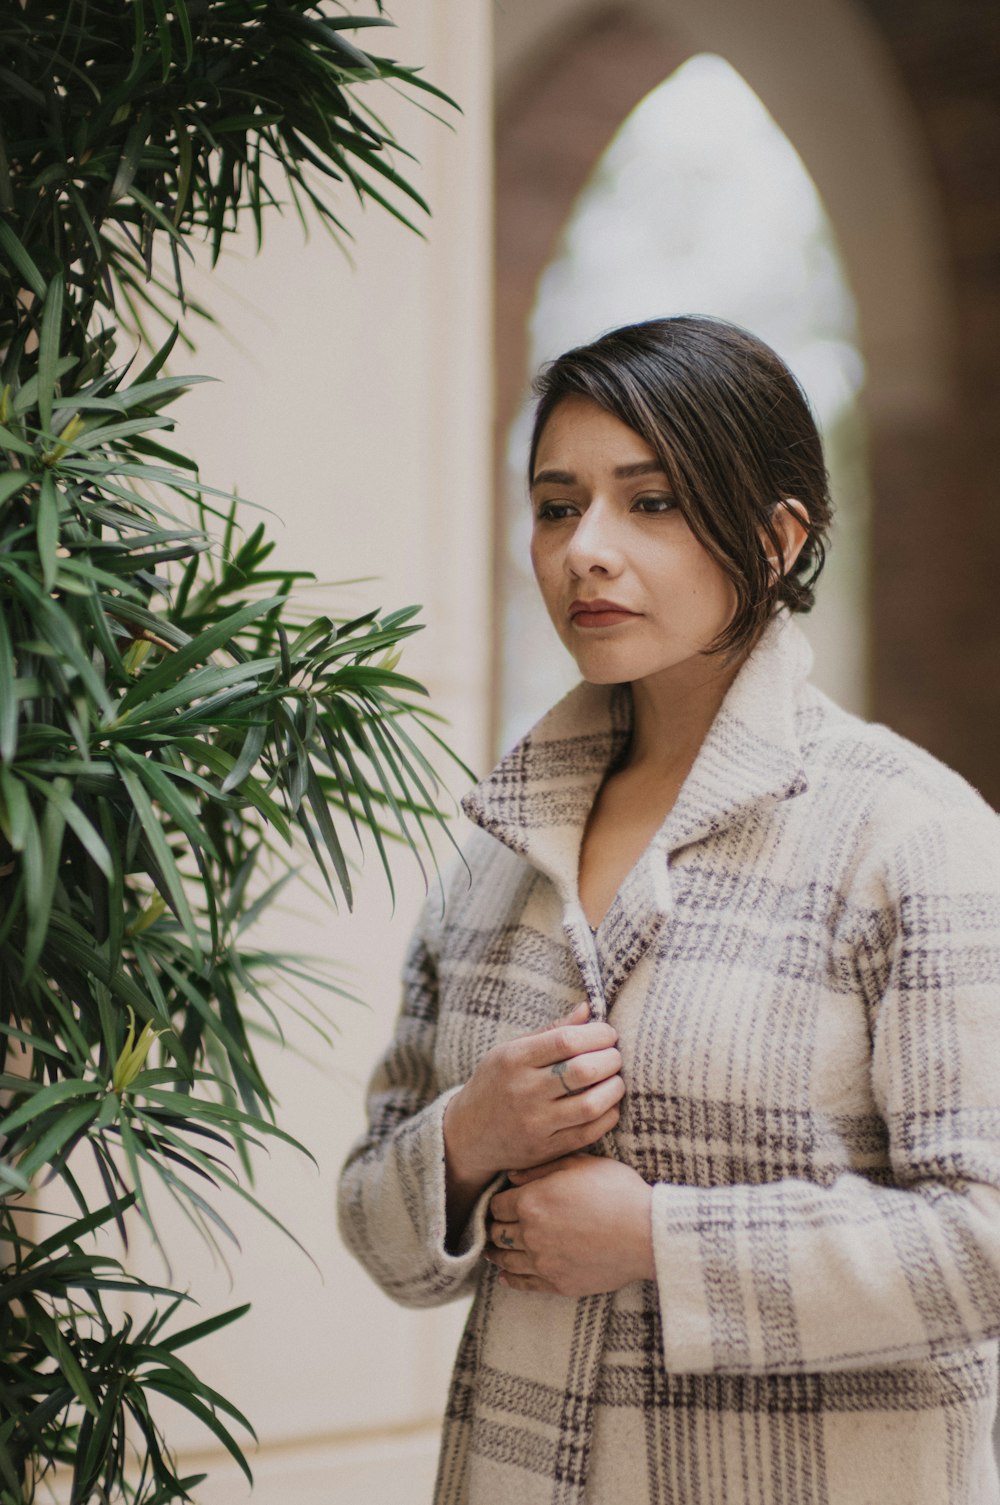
(463,1258)
(706,1306)
(393,1216)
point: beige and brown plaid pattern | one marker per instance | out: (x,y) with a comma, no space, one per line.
(804,971)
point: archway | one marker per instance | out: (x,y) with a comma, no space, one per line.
(699,204)
(583,64)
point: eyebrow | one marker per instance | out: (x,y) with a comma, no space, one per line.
(621,473)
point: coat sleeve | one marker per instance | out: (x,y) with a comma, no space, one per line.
(391,1205)
(795,1276)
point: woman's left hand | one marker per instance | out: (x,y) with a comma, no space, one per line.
(573,1227)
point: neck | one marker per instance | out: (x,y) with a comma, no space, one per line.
(673,710)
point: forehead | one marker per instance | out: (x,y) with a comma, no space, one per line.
(580,431)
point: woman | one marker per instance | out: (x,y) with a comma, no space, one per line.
(696,1085)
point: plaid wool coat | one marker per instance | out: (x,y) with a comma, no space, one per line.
(804,972)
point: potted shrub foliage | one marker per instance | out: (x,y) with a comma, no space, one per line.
(171,723)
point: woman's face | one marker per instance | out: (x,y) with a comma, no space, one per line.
(630,589)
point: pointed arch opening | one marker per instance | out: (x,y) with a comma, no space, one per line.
(699,204)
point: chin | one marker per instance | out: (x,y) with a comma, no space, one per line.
(610,668)
(594,676)
(626,668)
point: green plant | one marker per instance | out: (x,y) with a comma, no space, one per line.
(171,721)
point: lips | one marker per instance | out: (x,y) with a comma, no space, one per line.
(599,613)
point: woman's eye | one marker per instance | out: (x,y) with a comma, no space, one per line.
(656,503)
(550,512)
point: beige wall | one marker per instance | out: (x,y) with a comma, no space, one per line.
(356,404)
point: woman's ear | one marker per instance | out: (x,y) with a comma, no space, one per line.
(790,521)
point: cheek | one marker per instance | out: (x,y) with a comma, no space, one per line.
(711,590)
(542,563)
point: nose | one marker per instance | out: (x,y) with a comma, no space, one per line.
(595,545)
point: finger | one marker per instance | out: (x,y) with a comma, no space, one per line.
(580,1072)
(505,1236)
(536,1172)
(503,1207)
(579,1015)
(511,1261)
(588,1104)
(565,1040)
(530,1283)
(573,1140)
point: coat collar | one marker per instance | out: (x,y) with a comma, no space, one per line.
(537,799)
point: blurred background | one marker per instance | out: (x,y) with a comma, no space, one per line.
(823,171)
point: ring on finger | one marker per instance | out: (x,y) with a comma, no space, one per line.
(558,1069)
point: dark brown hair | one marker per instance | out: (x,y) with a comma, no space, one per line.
(735,434)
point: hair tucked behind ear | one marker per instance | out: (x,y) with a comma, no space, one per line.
(735,434)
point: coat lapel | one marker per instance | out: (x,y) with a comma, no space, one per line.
(538,797)
(752,757)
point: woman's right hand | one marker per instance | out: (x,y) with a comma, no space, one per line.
(532,1100)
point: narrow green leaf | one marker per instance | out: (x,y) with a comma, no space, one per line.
(251,789)
(15,809)
(131,1147)
(131,156)
(68,1125)
(239,1061)
(164,38)
(80,204)
(185,1376)
(47,1097)
(214,1170)
(15,444)
(196,651)
(34,876)
(12,1180)
(116,891)
(202,685)
(58,790)
(184,1105)
(12,481)
(78,947)
(253,746)
(7,1469)
(78,1229)
(351,23)
(161,850)
(47,529)
(41,885)
(37,1043)
(159,359)
(208,1418)
(48,349)
(111,433)
(317,801)
(202,1329)
(27,395)
(10,244)
(65,1357)
(183,810)
(327,36)
(8,697)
